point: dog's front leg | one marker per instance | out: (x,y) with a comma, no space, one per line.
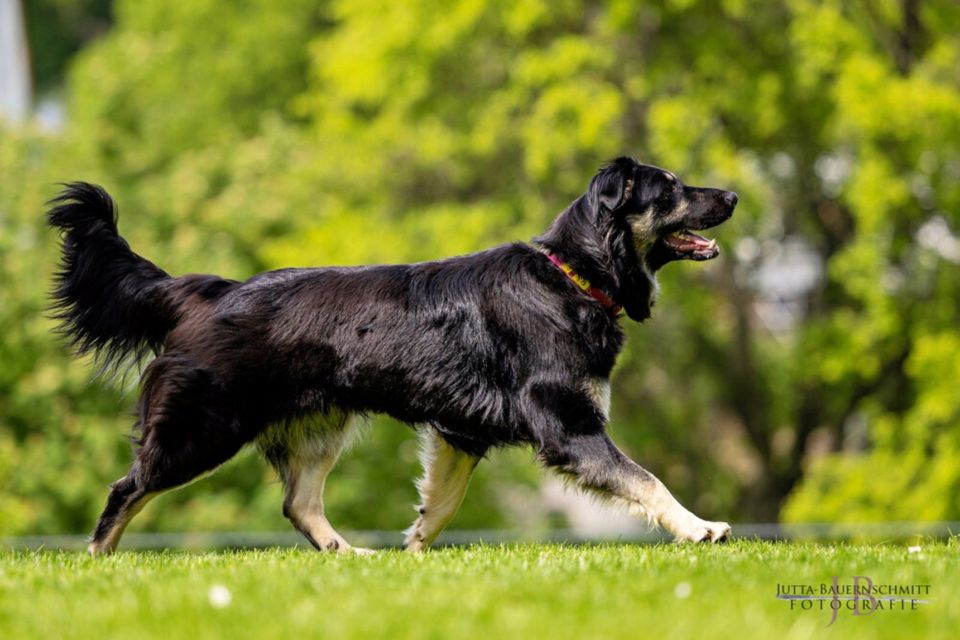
(595,463)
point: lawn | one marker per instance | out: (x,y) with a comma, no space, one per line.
(499,592)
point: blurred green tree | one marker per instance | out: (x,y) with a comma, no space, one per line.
(56,30)
(245,136)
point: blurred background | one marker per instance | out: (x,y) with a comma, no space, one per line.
(810,374)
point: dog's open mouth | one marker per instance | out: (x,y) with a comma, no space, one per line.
(692,245)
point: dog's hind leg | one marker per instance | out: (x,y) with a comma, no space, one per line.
(185,434)
(157,469)
(303,454)
(126,499)
(446,474)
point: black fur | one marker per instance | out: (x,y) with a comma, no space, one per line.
(109,300)
(491,349)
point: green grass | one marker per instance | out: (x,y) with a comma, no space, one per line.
(498,592)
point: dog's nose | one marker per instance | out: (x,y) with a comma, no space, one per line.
(730,197)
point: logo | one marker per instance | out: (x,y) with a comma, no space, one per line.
(861,596)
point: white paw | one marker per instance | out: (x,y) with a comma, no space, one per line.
(414,544)
(360,551)
(95,549)
(698,530)
(341,547)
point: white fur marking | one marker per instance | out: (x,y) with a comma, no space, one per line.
(641,226)
(313,446)
(642,494)
(599,391)
(684,525)
(446,475)
(651,499)
(681,209)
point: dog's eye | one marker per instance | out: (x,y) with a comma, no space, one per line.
(669,192)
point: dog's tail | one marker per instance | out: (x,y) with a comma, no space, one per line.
(110,301)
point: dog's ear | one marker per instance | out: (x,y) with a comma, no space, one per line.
(613,186)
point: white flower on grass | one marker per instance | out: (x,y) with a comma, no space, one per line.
(682,590)
(219,596)
(913,549)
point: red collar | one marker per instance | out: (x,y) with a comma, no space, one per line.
(612,307)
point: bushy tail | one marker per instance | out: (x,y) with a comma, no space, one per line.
(110,301)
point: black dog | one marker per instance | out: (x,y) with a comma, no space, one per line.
(510,345)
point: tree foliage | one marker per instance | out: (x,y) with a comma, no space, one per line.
(244,136)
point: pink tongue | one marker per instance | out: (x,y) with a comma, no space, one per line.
(696,239)
(688,241)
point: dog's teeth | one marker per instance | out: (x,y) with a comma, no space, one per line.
(713,243)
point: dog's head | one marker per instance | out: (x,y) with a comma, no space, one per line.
(659,212)
(634,219)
